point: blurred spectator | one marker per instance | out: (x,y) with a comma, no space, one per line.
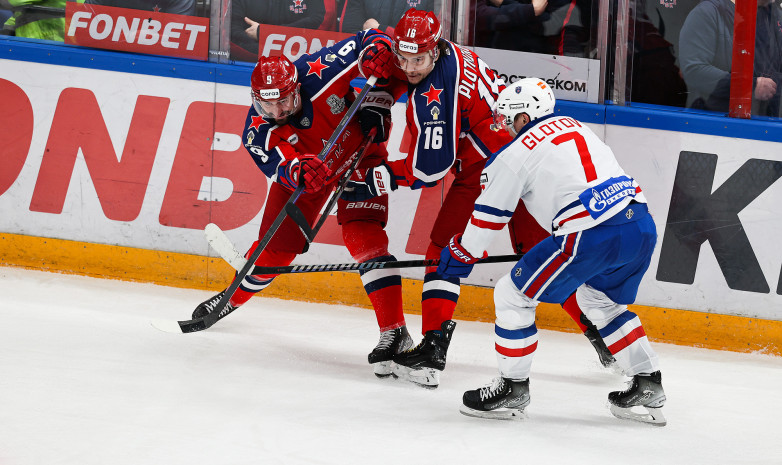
(358,15)
(567,27)
(656,78)
(36,19)
(4,15)
(177,7)
(510,25)
(248,15)
(706,50)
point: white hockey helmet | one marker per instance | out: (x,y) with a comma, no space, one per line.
(529,95)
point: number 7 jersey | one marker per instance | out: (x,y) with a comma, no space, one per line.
(568,178)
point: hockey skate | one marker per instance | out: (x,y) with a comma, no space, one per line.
(423,363)
(645,393)
(391,343)
(503,399)
(207,306)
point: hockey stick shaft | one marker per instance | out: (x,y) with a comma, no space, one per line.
(220,242)
(223,246)
(367,266)
(221,309)
(344,181)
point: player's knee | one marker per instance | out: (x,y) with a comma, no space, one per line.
(365,240)
(512,307)
(597,306)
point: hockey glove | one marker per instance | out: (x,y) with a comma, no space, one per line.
(308,169)
(356,189)
(456,261)
(380,180)
(377,181)
(375,112)
(378,60)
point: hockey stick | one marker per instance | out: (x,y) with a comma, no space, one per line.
(223,246)
(296,214)
(221,310)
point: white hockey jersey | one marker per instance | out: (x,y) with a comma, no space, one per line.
(567,177)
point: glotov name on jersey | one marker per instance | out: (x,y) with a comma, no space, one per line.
(540,133)
(137,31)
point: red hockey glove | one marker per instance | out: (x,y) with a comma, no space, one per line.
(309,169)
(456,261)
(378,60)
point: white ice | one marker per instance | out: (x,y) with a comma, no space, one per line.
(85,379)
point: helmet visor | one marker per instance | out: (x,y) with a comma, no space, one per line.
(502,122)
(279,108)
(410,63)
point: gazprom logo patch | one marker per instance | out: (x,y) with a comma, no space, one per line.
(408,47)
(270,94)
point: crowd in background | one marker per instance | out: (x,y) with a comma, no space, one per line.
(680,51)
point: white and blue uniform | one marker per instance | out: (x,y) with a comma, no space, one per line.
(601,244)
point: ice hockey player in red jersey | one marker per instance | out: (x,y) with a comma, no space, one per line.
(295,109)
(602,243)
(451,92)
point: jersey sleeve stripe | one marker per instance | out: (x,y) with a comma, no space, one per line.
(487,224)
(493,210)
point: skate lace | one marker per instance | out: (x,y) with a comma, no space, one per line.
(386,339)
(497,385)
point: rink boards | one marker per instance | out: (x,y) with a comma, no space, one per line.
(112,164)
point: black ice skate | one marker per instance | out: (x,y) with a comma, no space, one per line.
(391,343)
(645,393)
(503,399)
(207,306)
(423,363)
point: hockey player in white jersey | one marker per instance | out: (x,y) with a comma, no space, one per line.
(601,244)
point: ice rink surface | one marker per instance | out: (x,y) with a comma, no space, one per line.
(86,380)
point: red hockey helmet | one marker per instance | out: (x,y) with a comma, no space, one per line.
(274,79)
(417,32)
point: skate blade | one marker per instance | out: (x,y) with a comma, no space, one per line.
(383,369)
(428,378)
(649,415)
(498,414)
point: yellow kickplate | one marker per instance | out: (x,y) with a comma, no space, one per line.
(683,327)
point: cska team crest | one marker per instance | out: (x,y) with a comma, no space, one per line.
(298,6)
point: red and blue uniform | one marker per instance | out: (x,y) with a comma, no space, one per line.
(449,116)
(326,94)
